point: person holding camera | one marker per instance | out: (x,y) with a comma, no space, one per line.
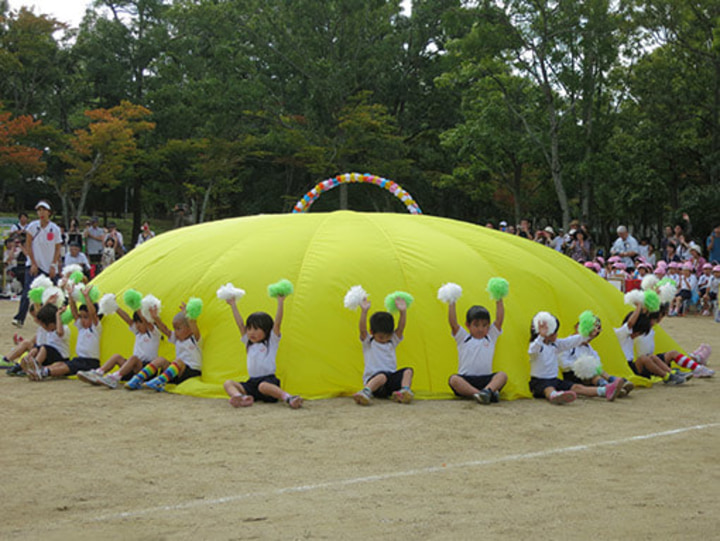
(145,234)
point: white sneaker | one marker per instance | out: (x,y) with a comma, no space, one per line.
(17,323)
(89,376)
(108,381)
(703,371)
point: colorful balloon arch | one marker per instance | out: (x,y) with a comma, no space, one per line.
(393,187)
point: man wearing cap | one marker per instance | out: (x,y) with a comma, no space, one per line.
(43,242)
(626,247)
(94,237)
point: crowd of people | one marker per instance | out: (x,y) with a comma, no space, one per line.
(694,268)
(43,247)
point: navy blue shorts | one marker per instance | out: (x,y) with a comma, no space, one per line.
(393,383)
(572,377)
(645,372)
(78,364)
(186,374)
(538,385)
(713,295)
(479,382)
(52,355)
(252,385)
(684,294)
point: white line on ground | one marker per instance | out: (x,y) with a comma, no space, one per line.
(394,475)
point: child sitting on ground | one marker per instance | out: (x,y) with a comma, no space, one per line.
(188,354)
(145,350)
(87,348)
(261,337)
(707,288)
(544,349)
(686,284)
(57,342)
(381,376)
(574,360)
(22,346)
(476,348)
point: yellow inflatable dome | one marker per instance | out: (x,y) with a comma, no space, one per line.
(323,255)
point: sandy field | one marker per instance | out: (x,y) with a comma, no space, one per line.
(82,462)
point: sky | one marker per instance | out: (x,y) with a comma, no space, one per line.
(72,11)
(67,11)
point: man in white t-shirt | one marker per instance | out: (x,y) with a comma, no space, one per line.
(43,241)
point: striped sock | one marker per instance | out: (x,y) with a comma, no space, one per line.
(685,362)
(170,372)
(147,372)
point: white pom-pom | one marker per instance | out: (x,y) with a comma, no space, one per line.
(635,297)
(149,302)
(107,304)
(649,282)
(449,293)
(548,319)
(586,367)
(667,293)
(41,281)
(69,269)
(77,293)
(229,292)
(54,291)
(354,297)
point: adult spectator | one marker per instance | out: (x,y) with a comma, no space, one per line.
(145,234)
(665,240)
(75,257)
(713,246)
(21,225)
(117,238)
(74,234)
(626,247)
(580,247)
(558,241)
(94,237)
(42,246)
(544,236)
(182,216)
(671,253)
(524,229)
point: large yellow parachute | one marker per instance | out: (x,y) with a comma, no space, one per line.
(323,255)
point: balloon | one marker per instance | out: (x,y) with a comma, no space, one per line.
(323,255)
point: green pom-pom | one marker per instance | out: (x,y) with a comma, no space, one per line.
(390,300)
(133,299)
(586,323)
(652,301)
(498,288)
(664,281)
(94,294)
(283,288)
(77,277)
(193,308)
(66,317)
(35,295)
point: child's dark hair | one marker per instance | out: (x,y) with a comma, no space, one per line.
(136,317)
(534,335)
(84,308)
(47,314)
(382,322)
(642,325)
(262,321)
(477,313)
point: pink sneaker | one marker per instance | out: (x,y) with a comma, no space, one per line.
(562,397)
(612,390)
(703,372)
(241,401)
(702,353)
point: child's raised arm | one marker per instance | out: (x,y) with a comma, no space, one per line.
(402,307)
(634,317)
(364,307)
(59,326)
(159,322)
(238,317)
(124,316)
(191,322)
(452,318)
(90,306)
(499,314)
(279,315)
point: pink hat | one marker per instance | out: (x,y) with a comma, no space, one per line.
(589,265)
(597,267)
(660,271)
(716,268)
(687,266)
(707,266)
(674,265)
(662,264)
(620,266)
(614,259)
(600,259)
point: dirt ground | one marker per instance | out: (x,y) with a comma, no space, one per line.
(81,462)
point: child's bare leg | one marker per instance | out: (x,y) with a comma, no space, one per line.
(364,397)
(407,378)
(273,390)
(461,386)
(652,364)
(112,362)
(498,381)
(237,393)
(41,355)
(375,382)
(132,366)
(57,370)
(17,351)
